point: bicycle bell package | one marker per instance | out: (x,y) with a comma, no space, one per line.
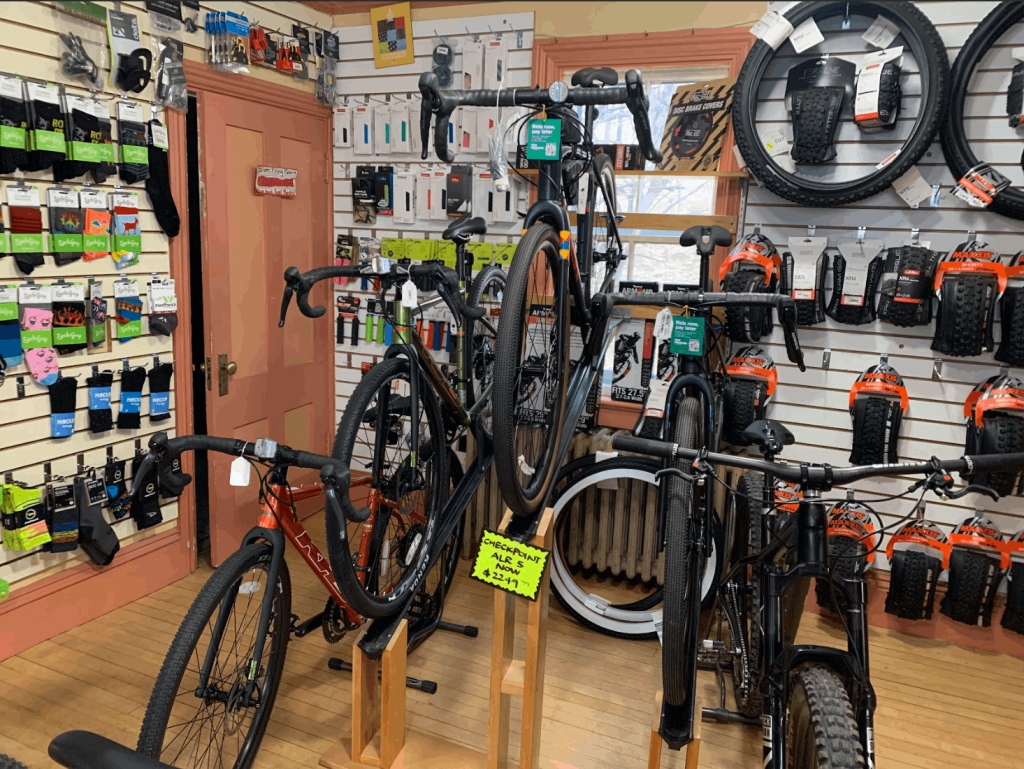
(1011,311)
(877,103)
(852,539)
(1013,613)
(819,93)
(968,284)
(918,553)
(751,382)
(878,403)
(976,564)
(803,278)
(995,425)
(907,285)
(856,271)
(752,266)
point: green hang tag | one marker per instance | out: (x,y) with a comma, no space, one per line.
(88,152)
(508,565)
(543,139)
(687,335)
(133,154)
(65,242)
(503,253)
(483,254)
(12,136)
(127,242)
(446,253)
(129,330)
(8,303)
(49,141)
(71,335)
(26,243)
(107,154)
(96,243)
(5,244)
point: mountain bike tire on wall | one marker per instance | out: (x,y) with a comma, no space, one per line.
(923,40)
(955,146)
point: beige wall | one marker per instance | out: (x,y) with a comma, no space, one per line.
(573,19)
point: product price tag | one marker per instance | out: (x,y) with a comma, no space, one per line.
(687,335)
(162,297)
(67,292)
(240,470)
(10,87)
(508,565)
(409,298)
(124,199)
(978,187)
(22,196)
(93,199)
(663,324)
(912,187)
(775,142)
(881,32)
(57,197)
(807,35)
(159,134)
(657,398)
(130,111)
(772,28)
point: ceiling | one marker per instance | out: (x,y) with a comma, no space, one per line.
(338,8)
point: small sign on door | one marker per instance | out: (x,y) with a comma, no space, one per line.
(276,181)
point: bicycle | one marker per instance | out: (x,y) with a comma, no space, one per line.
(816,703)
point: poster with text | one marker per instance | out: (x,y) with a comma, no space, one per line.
(391,27)
(695,126)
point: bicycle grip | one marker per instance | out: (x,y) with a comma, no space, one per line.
(787,317)
(637,102)
(425,114)
(441,136)
(634,445)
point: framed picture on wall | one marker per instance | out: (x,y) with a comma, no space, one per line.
(391,27)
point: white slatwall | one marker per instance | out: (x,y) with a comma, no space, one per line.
(815,404)
(359,79)
(29,46)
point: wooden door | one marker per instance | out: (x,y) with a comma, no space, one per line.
(282,381)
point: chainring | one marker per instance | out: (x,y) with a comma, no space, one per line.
(334,625)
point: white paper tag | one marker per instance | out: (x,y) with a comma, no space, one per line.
(912,187)
(160,136)
(124,199)
(881,32)
(657,398)
(34,294)
(409,294)
(125,288)
(45,93)
(93,199)
(8,294)
(101,110)
(129,110)
(76,102)
(57,197)
(96,289)
(807,35)
(775,142)
(663,324)
(10,87)
(23,196)
(658,617)
(240,470)
(855,281)
(611,484)
(67,292)
(773,28)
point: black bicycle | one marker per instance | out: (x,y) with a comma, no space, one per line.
(816,703)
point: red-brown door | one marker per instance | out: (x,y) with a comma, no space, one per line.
(279,381)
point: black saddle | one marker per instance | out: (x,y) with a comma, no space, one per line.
(705,238)
(586,77)
(85,750)
(770,436)
(460,230)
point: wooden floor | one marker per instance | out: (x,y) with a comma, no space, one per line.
(939,705)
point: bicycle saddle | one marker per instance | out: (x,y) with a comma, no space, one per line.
(85,750)
(770,436)
(586,76)
(705,238)
(460,230)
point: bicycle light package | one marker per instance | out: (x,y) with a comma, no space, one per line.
(1011,312)
(856,271)
(1013,613)
(751,382)
(918,553)
(976,563)
(803,278)
(994,411)
(752,267)
(878,403)
(968,283)
(907,285)
(854,533)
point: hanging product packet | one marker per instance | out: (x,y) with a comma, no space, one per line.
(129,309)
(13,124)
(126,229)
(69,331)
(856,271)
(10,331)
(163,307)
(26,227)
(67,223)
(96,224)
(97,308)
(35,311)
(46,143)
(24,517)
(105,141)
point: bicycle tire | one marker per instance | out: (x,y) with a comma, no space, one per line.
(966,590)
(605,168)
(821,732)
(742,400)
(686,430)
(634,620)
(844,554)
(963,317)
(918,34)
(369,599)
(744,627)
(746,324)
(955,147)
(482,344)
(909,584)
(1011,343)
(7,762)
(1000,434)
(166,692)
(869,434)
(525,498)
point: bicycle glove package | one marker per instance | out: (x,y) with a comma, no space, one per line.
(906,288)
(752,266)
(994,411)
(968,284)
(976,563)
(851,544)
(917,553)
(752,378)
(803,278)
(818,91)
(878,403)
(1013,613)
(856,271)
(1011,311)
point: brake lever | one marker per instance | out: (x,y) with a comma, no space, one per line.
(973,488)
(140,474)
(286,300)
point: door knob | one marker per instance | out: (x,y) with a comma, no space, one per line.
(202,368)
(231,368)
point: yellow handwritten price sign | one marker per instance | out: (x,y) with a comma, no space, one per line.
(509,565)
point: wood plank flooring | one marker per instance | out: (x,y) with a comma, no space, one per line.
(939,705)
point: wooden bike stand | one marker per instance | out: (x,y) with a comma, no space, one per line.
(379,736)
(519,678)
(692,750)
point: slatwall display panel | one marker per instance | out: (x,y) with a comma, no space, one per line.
(815,404)
(360,82)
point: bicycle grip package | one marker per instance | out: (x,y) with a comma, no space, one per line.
(968,283)
(817,91)
(907,286)
(994,413)
(878,403)
(753,265)
(1011,312)
(877,103)
(976,564)
(1013,613)
(856,271)
(918,553)
(803,278)
(851,541)
(751,382)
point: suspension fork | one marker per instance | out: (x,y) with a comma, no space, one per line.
(856,598)
(402,330)
(772,716)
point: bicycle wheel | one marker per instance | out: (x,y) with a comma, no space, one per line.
(223,724)
(601,591)
(605,170)
(679,593)
(821,732)
(6,762)
(391,547)
(530,372)
(487,291)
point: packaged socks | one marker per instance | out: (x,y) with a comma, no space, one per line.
(131,398)
(13,125)
(63,400)
(10,329)
(24,517)
(158,185)
(97,224)
(46,144)
(28,252)
(117,490)
(100,416)
(97,537)
(62,519)
(159,392)
(36,320)
(69,334)
(145,506)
